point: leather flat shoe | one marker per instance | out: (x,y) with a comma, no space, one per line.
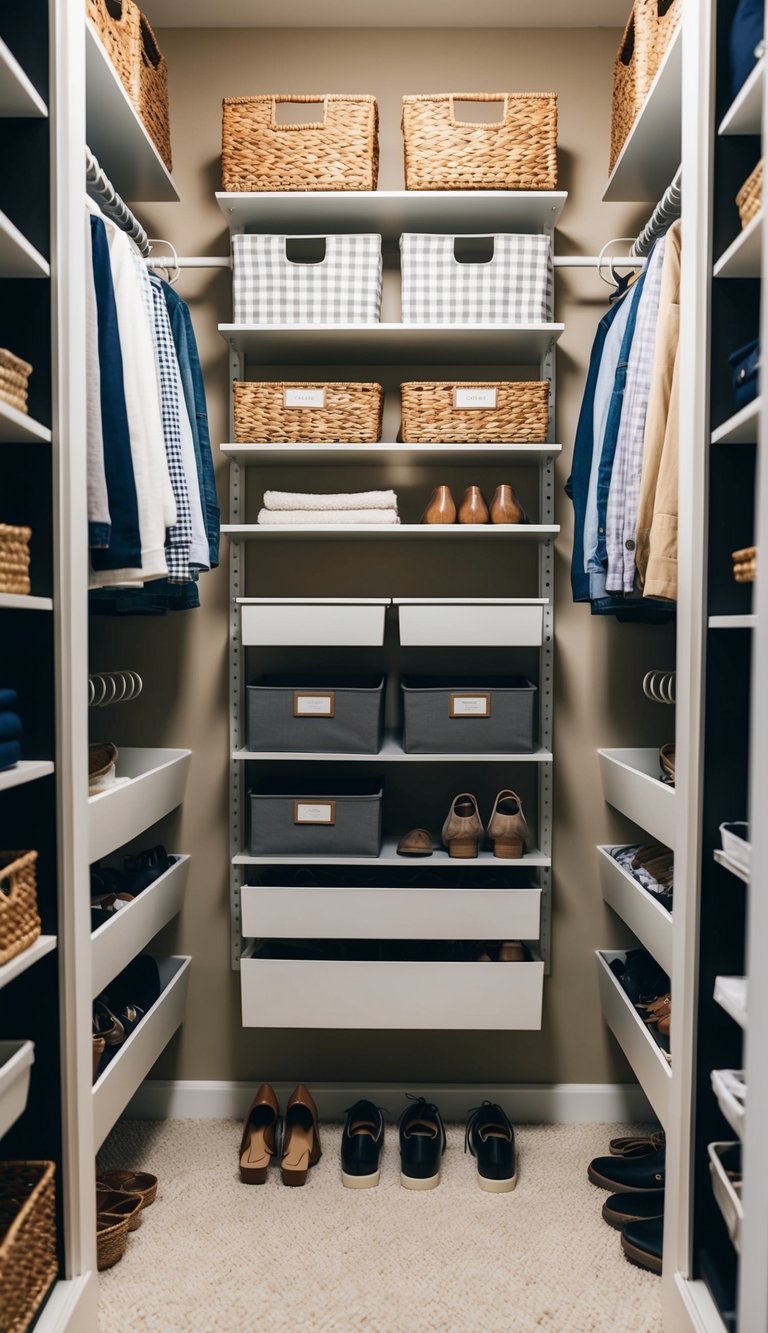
(258,1144)
(507,827)
(491,1140)
(422,1144)
(463,828)
(628,1173)
(362,1141)
(473,508)
(416,843)
(301,1137)
(632,1206)
(643,1243)
(441,507)
(637,1145)
(506,508)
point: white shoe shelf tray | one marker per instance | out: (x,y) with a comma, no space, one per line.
(421,622)
(158,782)
(652,1069)
(124,935)
(646,918)
(414,996)
(121,1077)
(632,786)
(16,1060)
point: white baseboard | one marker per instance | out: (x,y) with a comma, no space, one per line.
(545,1103)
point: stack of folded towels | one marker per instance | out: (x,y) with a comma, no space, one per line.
(10,730)
(294,507)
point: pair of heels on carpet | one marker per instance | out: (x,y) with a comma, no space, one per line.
(300,1148)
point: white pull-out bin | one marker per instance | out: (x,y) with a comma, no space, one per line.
(467,622)
(313,622)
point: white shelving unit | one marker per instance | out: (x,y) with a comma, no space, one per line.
(745,114)
(744,256)
(388,455)
(733,622)
(389,857)
(651,153)
(389,344)
(527,532)
(732,866)
(632,786)
(652,1069)
(27,770)
(16,1060)
(731,995)
(18,257)
(18,428)
(10,971)
(11,601)
(392,752)
(647,918)
(127,932)
(157,786)
(18,95)
(742,427)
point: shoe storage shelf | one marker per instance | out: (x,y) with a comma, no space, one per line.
(10,971)
(632,786)
(422,625)
(16,1060)
(652,1069)
(126,933)
(646,918)
(19,98)
(158,781)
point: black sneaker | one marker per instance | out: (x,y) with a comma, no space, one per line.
(362,1143)
(629,1173)
(491,1140)
(643,1243)
(422,1144)
(633,1206)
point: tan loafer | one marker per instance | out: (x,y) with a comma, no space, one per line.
(416,843)
(473,508)
(506,508)
(463,829)
(441,507)
(507,827)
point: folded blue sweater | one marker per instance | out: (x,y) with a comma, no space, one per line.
(10,753)
(10,726)
(8,699)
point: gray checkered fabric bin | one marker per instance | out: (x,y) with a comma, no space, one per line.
(343,288)
(513,287)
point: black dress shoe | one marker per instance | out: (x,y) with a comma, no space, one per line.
(628,1173)
(633,1206)
(491,1140)
(422,1144)
(643,1243)
(361,1146)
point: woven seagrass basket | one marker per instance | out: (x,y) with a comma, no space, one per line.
(745,564)
(435,414)
(111,1239)
(19,919)
(132,47)
(750,197)
(27,1240)
(14,379)
(517,153)
(14,559)
(284,414)
(341,152)
(650,28)
(102,761)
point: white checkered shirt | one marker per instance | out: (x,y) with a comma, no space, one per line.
(179,537)
(513,287)
(344,288)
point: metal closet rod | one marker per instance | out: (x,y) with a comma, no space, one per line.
(99,186)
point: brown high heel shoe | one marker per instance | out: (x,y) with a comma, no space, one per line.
(506,508)
(301,1137)
(441,507)
(473,508)
(507,826)
(259,1142)
(463,827)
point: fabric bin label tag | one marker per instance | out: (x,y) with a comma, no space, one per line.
(304,397)
(469,705)
(468,398)
(314,705)
(314,812)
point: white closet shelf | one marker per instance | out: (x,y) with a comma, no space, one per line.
(742,427)
(391,344)
(651,153)
(119,1080)
(116,134)
(745,114)
(389,455)
(18,257)
(387,913)
(10,971)
(632,786)
(125,934)
(389,857)
(411,996)
(653,1070)
(744,257)
(732,866)
(27,770)
(18,428)
(732,1107)
(646,918)
(727,1198)
(392,752)
(159,779)
(16,1059)
(12,601)
(733,622)
(391,212)
(18,95)
(731,995)
(423,531)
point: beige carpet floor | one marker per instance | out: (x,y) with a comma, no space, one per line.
(213,1254)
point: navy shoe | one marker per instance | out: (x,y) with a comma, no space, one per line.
(633,1206)
(491,1140)
(362,1143)
(643,1243)
(628,1173)
(422,1144)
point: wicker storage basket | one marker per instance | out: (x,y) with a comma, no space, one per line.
(19,919)
(132,48)
(27,1240)
(111,1239)
(646,37)
(750,197)
(14,559)
(289,413)
(745,564)
(475,413)
(14,379)
(339,153)
(517,153)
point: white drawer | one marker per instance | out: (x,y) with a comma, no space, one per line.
(317,622)
(470,623)
(288,993)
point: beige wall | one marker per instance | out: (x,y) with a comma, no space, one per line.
(599,664)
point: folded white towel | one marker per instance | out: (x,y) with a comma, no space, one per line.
(280,518)
(360,500)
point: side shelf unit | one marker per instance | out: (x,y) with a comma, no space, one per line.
(288,614)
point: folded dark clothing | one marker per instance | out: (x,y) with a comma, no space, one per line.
(10,726)
(8,699)
(10,753)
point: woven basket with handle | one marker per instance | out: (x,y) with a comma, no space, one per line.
(433,413)
(14,379)
(132,47)
(19,919)
(14,559)
(519,152)
(28,1263)
(750,197)
(275,414)
(340,152)
(649,30)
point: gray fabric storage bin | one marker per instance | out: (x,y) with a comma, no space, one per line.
(304,714)
(468,716)
(315,818)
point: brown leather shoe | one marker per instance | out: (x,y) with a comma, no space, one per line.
(441,507)
(506,508)
(416,843)
(301,1137)
(463,828)
(259,1142)
(507,827)
(473,508)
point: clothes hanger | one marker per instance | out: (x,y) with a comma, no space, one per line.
(173,277)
